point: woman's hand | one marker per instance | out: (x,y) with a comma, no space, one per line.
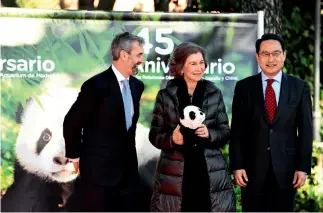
(202,131)
(177,136)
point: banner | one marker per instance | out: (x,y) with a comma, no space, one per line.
(47,55)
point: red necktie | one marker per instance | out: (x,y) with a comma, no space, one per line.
(270,100)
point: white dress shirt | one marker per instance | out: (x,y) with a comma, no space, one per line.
(120,78)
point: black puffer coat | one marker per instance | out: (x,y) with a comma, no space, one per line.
(167,194)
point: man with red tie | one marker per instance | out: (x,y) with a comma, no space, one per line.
(271,130)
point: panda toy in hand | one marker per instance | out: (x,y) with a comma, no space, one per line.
(192,117)
(43,178)
(190,120)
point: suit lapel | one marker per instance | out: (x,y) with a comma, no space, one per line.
(259,98)
(134,94)
(114,87)
(283,98)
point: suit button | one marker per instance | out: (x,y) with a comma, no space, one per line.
(271,131)
(195,145)
(268,148)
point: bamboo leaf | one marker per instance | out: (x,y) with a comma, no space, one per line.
(93,46)
(83,44)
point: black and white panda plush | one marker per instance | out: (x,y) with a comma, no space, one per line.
(43,178)
(191,118)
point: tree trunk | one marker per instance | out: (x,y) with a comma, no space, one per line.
(8,3)
(161,5)
(273,11)
(96,4)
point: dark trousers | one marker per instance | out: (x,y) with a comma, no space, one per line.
(269,197)
(108,199)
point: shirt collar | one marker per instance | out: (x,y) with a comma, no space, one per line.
(277,78)
(119,76)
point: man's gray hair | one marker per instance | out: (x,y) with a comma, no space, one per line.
(124,41)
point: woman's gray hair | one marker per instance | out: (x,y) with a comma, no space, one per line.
(124,41)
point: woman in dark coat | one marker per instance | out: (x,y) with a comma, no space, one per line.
(191,174)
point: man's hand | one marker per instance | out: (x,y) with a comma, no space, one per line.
(177,136)
(240,176)
(299,179)
(76,162)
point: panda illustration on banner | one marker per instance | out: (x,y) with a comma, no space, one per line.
(44,179)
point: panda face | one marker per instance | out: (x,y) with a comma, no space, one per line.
(192,117)
(40,146)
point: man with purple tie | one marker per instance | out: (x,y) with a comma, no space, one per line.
(271,130)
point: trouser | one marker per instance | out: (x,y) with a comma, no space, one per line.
(270,197)
(108,199)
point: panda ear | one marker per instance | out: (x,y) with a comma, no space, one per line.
(20,111)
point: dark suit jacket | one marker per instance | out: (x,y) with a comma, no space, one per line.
(95,130)
(289,137)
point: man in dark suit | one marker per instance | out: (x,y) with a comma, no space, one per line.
(271,144)
(99,130)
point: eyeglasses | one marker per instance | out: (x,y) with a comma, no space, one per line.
(275,54)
